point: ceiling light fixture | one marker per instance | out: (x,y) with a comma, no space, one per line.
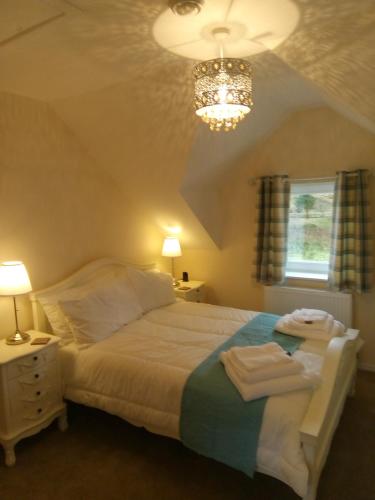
(185,7)
(223,85)
(223,89)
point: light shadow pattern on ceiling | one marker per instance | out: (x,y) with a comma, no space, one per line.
(333,45)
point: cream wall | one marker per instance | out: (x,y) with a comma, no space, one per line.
(58,211)
(61,207)
(141,137)
(311,143)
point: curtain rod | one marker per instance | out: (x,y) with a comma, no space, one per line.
(252,180)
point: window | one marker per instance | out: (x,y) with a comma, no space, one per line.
(309,230)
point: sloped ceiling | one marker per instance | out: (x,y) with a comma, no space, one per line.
(129,101)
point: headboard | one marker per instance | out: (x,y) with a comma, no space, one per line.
(79,278)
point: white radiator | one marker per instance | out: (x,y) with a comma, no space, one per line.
(283,300)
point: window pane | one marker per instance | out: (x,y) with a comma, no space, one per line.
(309,233)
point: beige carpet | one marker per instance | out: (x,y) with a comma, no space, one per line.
(103,457)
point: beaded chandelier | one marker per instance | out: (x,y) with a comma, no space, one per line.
(223,91)
(222,35)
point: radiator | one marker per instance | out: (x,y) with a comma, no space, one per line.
(283,300)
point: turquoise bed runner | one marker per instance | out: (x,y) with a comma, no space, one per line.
(215,421)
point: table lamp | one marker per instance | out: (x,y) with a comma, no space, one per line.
(14,280)
(171,248)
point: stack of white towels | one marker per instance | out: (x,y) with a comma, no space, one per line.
(264,370)
(310,324)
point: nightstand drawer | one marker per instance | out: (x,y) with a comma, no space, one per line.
(199,294)
(28,363)
(32,380)
(194,295)
(32,412)
(33,391)
(192,291)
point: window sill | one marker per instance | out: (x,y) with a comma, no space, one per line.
(307,276)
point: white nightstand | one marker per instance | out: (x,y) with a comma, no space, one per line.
(196,291)
(30,391)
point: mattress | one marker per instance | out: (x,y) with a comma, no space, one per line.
(140,371)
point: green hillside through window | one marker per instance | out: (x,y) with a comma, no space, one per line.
(309,232)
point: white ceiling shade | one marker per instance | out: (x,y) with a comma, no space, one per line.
(254,26)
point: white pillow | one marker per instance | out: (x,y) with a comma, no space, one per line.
(50,302)
(153,289)
(102,311)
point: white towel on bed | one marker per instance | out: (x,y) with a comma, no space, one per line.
(315,315)
(304,380)
(254,357)
(261,373)
(287,325)
(321,327)
(273,386)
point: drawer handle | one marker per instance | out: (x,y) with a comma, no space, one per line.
(35,358)
(36,375)
(38,393)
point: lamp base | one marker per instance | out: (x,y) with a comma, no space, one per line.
(18,338)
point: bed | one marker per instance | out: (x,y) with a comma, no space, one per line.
(139,373)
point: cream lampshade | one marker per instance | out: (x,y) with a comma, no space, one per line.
(171,248)
(14,280)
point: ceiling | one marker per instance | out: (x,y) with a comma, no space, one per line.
(54,49)
(241,28)
(82,55)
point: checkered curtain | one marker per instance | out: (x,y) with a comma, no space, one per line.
(272,229)
(350,266)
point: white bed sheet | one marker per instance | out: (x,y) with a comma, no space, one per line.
(140,371)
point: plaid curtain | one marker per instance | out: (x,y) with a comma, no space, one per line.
(272,228)
(350,266)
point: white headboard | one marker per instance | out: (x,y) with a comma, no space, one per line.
(79,278)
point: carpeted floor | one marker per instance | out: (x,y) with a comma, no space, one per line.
(103,457)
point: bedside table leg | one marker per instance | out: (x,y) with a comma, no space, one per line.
(62,422)
(10,456)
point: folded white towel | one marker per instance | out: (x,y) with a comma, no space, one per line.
(273,386)
(284,325)
(266,372)
(322,327)
(253,357)
(314,315)
(304,380)
(256,350)
(311,312)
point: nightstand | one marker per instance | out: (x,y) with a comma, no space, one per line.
(30,391)
(195,293)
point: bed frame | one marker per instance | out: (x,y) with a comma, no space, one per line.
(326,406)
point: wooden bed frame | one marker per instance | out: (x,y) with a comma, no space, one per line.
(326,406)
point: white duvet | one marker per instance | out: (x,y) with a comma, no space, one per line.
(139,374)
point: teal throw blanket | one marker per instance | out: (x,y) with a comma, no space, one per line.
(215,421)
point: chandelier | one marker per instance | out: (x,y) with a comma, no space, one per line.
(223,87)
(220,34)
(223,90)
